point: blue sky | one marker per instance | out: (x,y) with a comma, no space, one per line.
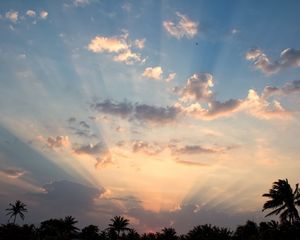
(171,113)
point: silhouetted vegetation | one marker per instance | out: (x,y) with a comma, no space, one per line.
(283,200)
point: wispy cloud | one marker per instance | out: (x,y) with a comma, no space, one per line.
(185,27)
(81,2)
(289,57)
(12,172)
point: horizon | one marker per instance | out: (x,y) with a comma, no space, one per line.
(169,113)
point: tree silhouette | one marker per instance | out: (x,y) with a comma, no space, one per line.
(16,209)
(68,225)
(168,234)
(283,200)
(90,232)
(119,224)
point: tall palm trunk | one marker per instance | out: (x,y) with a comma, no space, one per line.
(15,219)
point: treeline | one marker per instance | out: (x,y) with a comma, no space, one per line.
(283,200)
(65,229)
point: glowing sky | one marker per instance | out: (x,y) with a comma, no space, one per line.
(170,113)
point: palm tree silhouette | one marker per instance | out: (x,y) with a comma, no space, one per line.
(16,209)
(119,224)
(283,200)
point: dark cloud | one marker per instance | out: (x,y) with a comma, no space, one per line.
(146,147)
(81,128)
(289,57)
(198,87)
(195,149)
(58,142)
(91,149)
(217,108)
(61,198)
(122,109)
(71,120)
(99,151)
(140,112)
(84,124)
(288,88)
(156,114)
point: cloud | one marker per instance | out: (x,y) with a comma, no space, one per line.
(99,151)
(198,87)
(183,28)
(12,16)
(58,142)
(81,2)
(84,124)
(140,43)
(153,73)
(156,114)
(80,128)
(287,89)
(128,57)
(122,109)
(141,112)
(66,193)
(31,13)
(196,149)
(43,14)
(12,172)
(171,77)
(259,107)
(119,46)
(106,44)
(146,147)
(289,57)
(192,163)
(91,149)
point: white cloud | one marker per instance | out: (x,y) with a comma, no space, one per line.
(43,14)
(128,57)
(153,73)
(261,108)
(30,13)
(119,46)
(12,16)
(106,44)
(183,28)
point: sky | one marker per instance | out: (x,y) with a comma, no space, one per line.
(169,113)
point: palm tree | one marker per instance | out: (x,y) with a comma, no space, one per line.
(283,201)
(16,209)
(119,224)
